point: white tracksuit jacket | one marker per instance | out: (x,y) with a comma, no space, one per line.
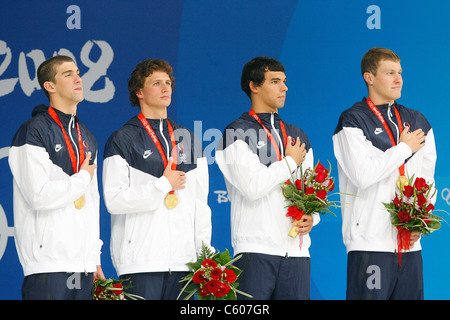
(52,235)
(146,236)
(368,167)
(253,177)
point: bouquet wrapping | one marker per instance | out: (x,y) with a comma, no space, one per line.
(412,210)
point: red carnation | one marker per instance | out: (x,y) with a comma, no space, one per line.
(330,185)
(198,277)
(321,176)
(209,263)
(230,276)
(216,273)
(309,190)
(404,216)
(212,285)
(421,200)
(321,194)
(203,291)
(420,184)
(429,208)
(396,201)
(118,288)
(295,213)
(298,184)
(320,168)
(322,173)
(408,191)
(223,290)
(98,290)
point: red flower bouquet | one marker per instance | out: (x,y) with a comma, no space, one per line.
(411,210)
(213,277)
(308,194)
(111,289)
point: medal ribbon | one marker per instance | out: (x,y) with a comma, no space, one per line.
(275,146)
(272,140)
(153,136)
(377,112)
(73,157)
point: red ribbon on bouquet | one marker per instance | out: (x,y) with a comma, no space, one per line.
(403,242)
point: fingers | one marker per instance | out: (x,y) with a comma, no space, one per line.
(406,129)
(305,225)
(88,167)
(296,150)
(176,178)
(414,237)
(415,140)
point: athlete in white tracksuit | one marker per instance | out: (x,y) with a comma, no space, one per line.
(152,241)
(56,233)
(274,265)
(368,167)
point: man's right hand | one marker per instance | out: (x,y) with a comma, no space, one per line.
(176,178)
(297,151)
(88,167)
(415,140)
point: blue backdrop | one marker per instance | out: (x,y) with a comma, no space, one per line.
(320,42)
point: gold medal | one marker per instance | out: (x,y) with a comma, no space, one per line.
(401,182)
(171,201)
(79,203)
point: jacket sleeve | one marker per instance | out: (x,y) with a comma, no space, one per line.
(361,162)
(243,169)
(33,171)
(423,163)
(429,157)
(203,226)
(123,193)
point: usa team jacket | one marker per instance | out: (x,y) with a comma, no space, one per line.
(146,236)
(52,235)
(254,176)
(368,167)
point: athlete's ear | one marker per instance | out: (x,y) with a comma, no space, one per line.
(368,78)
(139,94)
(49,86)
(253,87)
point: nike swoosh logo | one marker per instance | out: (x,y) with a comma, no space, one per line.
(58,147)
(378,131)
(260,144)
(147,154)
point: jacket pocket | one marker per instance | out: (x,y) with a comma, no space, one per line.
(41,229)
(128,242)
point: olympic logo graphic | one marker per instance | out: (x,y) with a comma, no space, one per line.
(5,231)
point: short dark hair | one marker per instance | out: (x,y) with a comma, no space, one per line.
(47,70)
(143,70)
(374,56)
(255,70)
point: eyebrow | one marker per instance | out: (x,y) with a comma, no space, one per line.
(70,71)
